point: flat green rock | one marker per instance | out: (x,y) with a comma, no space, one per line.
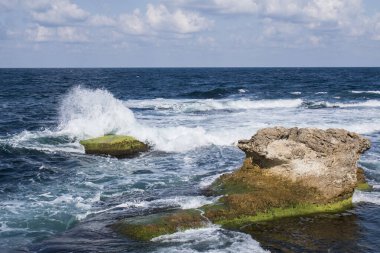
(147,227)
(114,145)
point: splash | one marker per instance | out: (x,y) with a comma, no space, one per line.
(87,113)
(90,113)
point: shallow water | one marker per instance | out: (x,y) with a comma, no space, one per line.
(53,197)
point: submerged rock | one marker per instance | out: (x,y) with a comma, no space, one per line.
(114,145)
(287,172)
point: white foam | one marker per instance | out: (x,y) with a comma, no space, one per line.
(184,202)
(368,91)
(89,113)
(321,92)
(367,197)
(207,181)
(193,105)
(296,93)
(362,128)
(368,103)
(242,91)
(29,140)
(218,239)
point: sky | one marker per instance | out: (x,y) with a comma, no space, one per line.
(189,33)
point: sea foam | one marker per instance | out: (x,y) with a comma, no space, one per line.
(220,240)
(367,197)
(366,92)
(86,113)
(203,105)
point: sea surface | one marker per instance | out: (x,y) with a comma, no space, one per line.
(54,198)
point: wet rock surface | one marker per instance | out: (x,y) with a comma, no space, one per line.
(119,146)
(287,173)
(323,159)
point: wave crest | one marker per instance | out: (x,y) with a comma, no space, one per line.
(86,113)
(203,105)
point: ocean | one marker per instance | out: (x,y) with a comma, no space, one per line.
(54,198)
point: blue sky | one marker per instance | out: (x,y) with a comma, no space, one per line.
(189,33)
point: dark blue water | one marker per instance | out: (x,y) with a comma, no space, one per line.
(54,198)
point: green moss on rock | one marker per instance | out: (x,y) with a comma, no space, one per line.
(278,213)
(364,187)
(362,184)
(114,145)
(250,195)
(251,190)
(147,227)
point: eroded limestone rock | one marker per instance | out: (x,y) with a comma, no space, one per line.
(287,172)
(323,159)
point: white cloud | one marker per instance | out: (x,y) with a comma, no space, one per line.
(132,23)
(158,18)
(233,6)
(101,20)
(312,22)
(71,34)
(65,21)
(317,20)
(376,28)
(56,12)
(161,19)
(62,34)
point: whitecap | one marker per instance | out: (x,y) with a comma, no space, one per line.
(199,105)
(368,91)
(367,197)
(183,202)
(207,181)
(210,239)
(368,103)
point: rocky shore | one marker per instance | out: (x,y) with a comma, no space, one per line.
(287,172)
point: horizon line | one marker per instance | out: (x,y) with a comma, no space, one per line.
(190,67)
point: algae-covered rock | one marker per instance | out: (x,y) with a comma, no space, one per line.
(252,194)
(287,173)
(147,227)
(362,184)
(114,145)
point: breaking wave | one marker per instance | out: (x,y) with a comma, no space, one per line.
(323,104)
(220,240)
(366,92)
(86,113)
(195,105)
(366,197)
(89,113)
